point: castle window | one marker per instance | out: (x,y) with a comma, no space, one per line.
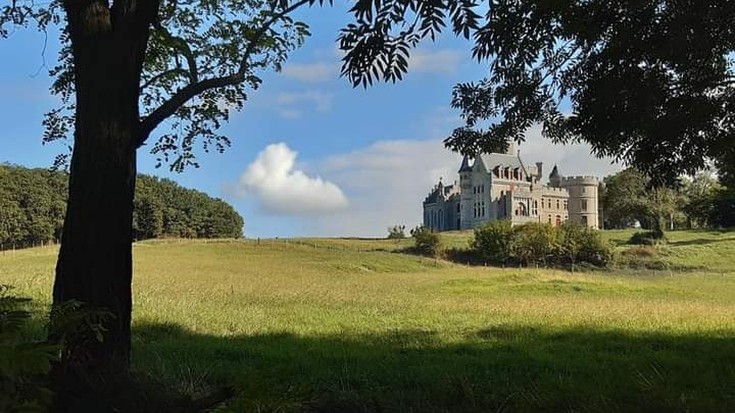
(582,189)
(549,203)
(566,205)
(549,219)
(557,204)
(584,220)
(584,205)
(558,220)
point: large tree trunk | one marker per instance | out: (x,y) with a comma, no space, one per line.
(95,262)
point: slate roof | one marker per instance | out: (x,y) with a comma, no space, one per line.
(465,167)
(491,160)
(433,197)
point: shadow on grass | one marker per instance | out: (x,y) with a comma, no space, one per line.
(700,241)
(500,368)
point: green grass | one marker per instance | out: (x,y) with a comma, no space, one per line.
(336,325)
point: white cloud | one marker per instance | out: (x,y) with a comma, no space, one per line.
(388,180)
(444,61)
(310,72)
(289,113)
(386,183)
(292,105)
(280,188)
(571,159)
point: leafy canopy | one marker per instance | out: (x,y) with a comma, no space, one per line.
(649,82)
(202,58)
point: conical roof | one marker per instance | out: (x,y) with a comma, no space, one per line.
(554,173)
(465,165)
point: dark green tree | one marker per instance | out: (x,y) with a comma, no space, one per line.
(33,203)
(624,199)
(648,82)
(700,191)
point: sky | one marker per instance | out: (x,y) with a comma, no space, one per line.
(310,154)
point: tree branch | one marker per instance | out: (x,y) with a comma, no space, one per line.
(182,46)
(163,74)
(168,108)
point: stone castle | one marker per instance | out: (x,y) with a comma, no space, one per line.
(500,186)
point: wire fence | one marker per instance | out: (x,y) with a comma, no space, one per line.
(10,247)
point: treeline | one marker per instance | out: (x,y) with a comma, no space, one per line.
(33,204)
(705,200)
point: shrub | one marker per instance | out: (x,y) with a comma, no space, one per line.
(594,250)
(23,365)
(498,242)
(570,243)
(397,232)
(426,242)
(492,241)
(647,238)
(534,242)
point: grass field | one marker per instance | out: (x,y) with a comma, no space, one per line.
(342,325)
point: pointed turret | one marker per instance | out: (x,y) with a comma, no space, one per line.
(465,165)
(555,177)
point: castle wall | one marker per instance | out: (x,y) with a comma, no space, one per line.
(554,205)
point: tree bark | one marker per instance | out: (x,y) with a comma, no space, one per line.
(95,261)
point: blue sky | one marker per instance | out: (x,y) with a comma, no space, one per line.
(310,154)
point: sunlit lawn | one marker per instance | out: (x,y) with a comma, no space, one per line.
(346,325)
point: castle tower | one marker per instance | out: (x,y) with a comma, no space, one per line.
(583,199)
(465,184)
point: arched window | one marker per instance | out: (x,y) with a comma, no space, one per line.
(558,220)
(522,210)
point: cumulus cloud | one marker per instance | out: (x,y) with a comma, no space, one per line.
(310,72)
(280,188)
(386,183)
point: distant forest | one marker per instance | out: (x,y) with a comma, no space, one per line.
(33,204)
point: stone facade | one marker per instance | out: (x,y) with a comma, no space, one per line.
(500,186)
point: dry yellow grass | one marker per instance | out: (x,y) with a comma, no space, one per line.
(344,325)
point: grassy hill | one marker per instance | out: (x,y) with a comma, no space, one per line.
(335,325)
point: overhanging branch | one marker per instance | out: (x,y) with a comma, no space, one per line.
(168,108)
